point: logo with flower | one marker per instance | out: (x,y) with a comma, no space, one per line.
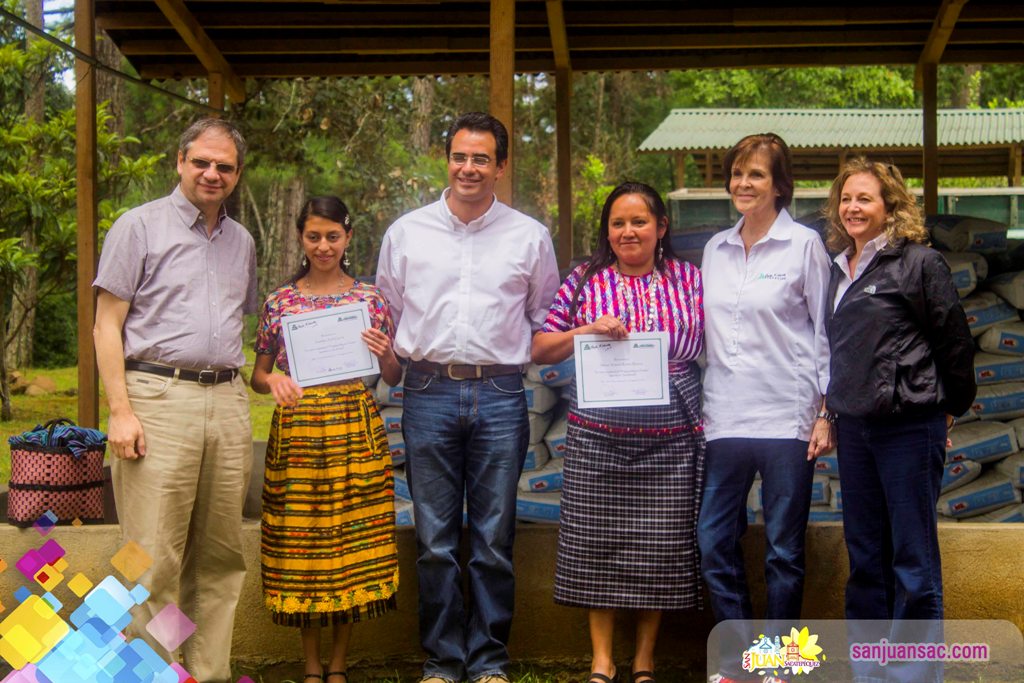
(794,655)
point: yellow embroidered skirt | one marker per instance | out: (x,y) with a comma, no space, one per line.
(328,548)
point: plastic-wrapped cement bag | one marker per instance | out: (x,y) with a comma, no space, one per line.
(557,375)
(401,485)
(1004,338)
(555,437)
(824,513)
(403,513)
(982,442)
(827,464)
(1009,514)
(536,456)
(956,474)
(392,417)
(538,507)
(1018,429)
(998,402)
(388,395)
(836,503)
(965,276)
(1010,286)
(978,235)
(547,478)
(820,491)
(397,445)
(539,398)
(1013,467)
(539,423)
(991,368)
(990,491)
(985,309)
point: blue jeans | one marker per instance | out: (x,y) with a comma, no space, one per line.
(786,499)
(890,471)
(464,439)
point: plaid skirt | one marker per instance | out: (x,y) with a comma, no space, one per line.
(631,491)
(328,550)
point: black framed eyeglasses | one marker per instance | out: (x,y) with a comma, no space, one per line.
(478,160)
(203,164)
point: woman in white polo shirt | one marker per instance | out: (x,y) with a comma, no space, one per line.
(767,369)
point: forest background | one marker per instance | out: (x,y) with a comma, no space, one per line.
(378,143)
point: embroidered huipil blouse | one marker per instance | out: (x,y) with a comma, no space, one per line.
(678,309)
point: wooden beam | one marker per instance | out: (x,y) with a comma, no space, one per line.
(502,73)
(680,159)
(204,49)
(1015,165)
(86,213)
(215,90)
(942,28)
(930,157)
(563,129)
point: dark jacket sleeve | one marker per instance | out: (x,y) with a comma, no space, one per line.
(947,333)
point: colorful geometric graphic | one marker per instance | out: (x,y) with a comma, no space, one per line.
(170,627)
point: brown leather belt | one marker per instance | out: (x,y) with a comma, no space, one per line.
(461,371)
(205,377)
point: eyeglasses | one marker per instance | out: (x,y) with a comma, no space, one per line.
(203,164)
(479,160)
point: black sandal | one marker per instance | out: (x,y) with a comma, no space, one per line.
(601,678)
(647,676)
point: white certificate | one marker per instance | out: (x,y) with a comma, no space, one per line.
(325,346)
(622,372)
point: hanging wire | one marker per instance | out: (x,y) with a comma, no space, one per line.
(96,64)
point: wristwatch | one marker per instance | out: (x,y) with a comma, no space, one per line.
(829,416)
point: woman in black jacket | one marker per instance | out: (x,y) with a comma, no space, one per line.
(901,368)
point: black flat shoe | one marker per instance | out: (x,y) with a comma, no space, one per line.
(601,678)
(643,677)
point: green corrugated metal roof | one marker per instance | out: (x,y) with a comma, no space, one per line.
(697,129)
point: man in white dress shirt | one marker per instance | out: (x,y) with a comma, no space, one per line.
(469,280)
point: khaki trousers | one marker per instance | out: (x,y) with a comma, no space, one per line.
(182,503)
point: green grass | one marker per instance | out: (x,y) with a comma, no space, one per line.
(30,411)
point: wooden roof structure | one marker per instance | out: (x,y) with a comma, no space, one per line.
(229,41)
(283,38)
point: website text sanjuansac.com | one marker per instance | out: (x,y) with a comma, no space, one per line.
(883,652)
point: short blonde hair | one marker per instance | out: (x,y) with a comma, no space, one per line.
(905,218)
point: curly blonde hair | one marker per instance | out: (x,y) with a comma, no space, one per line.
(904,218)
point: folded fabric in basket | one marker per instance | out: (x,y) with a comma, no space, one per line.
(76,439)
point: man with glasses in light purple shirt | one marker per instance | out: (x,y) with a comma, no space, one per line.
(175,277)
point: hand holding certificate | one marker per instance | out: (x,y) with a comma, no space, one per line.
(621,372)
(326,346)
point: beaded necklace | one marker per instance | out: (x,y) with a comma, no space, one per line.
(628,301)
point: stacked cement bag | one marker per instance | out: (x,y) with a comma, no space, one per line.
(983,477)
(541,482)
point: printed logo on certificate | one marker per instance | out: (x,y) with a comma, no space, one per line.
(613,373)
(326,346)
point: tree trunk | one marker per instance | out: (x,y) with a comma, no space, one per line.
(5,389)
(109,88)
(423,114)
(279,255)
(18,351)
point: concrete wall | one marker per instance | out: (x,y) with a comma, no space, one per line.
(982,567)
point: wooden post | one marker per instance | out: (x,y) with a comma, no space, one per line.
(680,159)
(930,121)
(85,157)
(215,91)
(1015,165)
(709,169)
(563,131)
(502,73)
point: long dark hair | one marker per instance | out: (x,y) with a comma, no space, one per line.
(331,208)
(603,255)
